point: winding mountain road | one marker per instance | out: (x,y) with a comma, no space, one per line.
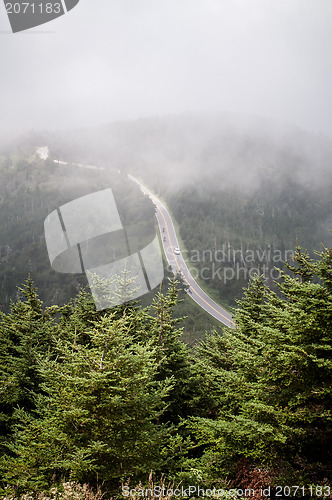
(170,243)
(177,262)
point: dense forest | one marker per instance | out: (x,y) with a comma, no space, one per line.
(244,190)
(105,399)
(30,189)
(238,235)
(94,404)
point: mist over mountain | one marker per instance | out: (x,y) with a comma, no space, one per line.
(243,193)
(247,184)
(257,158)
(181,149)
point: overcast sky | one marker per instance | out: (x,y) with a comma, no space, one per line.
(110,60)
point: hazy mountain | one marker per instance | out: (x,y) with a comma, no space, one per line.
(245,183)
(247,187)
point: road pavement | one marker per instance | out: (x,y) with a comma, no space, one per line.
(178,264)
(170,243)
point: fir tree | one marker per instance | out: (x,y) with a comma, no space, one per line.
(105,388)
(26,333)
(271,378)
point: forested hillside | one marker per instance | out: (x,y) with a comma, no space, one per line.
(93,401)
(30,189)
(239,234)
(244,190)
(105,398)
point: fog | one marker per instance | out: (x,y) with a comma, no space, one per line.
(206,150)
(123,59)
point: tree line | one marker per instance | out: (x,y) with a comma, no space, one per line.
(108,397)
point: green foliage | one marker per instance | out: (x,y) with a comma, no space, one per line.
(271,378)
(106,386)
(30,189)
(230,235)
(26,334)
(95,418)
(98,397)
(177,363)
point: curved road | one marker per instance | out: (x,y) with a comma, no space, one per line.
(170,242)
(178,264)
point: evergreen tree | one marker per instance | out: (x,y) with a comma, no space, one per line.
(271,378)
(177,360)
(26,333)
(107,398)
(96,419)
